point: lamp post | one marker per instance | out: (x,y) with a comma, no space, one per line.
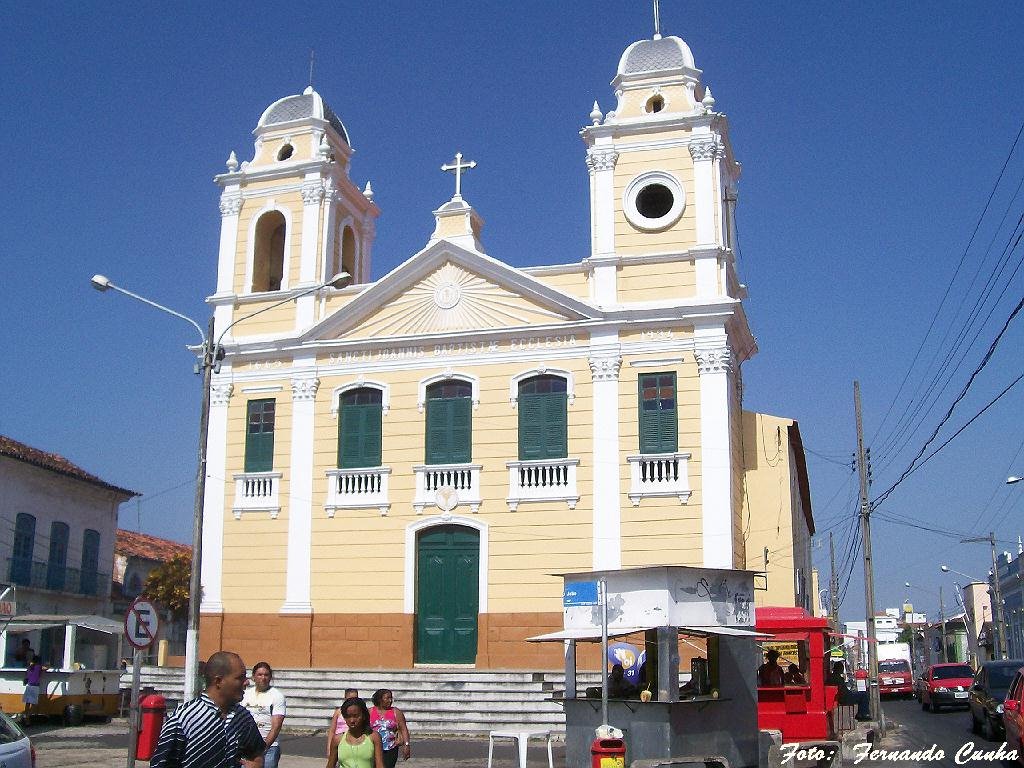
(969,624)
(942,615)
(209,358)
(997,596)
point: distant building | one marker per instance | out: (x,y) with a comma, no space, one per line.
(135,556)
(63,520)
(778,522)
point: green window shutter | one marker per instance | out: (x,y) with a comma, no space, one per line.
(543,426)
(659,420)
(530,427)
(556,428)
(359,436)
(449,430)
(259,436)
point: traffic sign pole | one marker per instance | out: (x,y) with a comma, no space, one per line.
(133,718)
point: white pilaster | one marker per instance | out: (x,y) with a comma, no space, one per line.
(605,362)
(300,504)
(705,152)
(312,198)
(230,207)
(213,500)
(714,363)
(601,160)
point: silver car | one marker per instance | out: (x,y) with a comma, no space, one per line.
(16,750)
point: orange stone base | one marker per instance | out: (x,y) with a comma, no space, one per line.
(379,640)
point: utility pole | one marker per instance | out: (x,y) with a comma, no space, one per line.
(869,578)
(997,597)
(833,585)
(942,618)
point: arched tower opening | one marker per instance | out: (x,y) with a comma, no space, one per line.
(268,254)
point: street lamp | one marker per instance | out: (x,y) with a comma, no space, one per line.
(210,355)
(972,626)
(997,596)
(1013,479)
(942,614)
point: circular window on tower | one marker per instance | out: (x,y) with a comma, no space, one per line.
(654,201)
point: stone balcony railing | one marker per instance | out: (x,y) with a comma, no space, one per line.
(36,574)
(545,480)
(659,474)
(447,485)
(364,488)
(257,492)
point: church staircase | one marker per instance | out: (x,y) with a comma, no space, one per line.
(449,702)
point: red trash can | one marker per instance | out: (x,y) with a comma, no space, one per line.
(154,709)
(608,753)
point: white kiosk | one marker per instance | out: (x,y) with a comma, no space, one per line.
(714,714)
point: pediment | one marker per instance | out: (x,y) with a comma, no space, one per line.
(446,289)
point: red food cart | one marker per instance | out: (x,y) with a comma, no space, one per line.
(805,708)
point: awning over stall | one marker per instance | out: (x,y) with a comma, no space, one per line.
(590,635)
(32,622)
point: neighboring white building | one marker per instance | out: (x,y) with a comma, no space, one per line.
(61,520)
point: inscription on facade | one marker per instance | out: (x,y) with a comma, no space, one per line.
(453,349)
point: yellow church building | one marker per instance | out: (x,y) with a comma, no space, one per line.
(397,467)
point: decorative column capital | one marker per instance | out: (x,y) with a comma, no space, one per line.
(313,193)
(605,368)
(220,393)
(601,160)
(305,388)
(230,205)
(706,149)
(717,360)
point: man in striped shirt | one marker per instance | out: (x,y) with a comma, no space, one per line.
(213,731)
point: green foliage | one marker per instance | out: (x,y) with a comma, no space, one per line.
(905,635)
(167,585)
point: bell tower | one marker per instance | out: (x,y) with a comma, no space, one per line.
(662,176)
(291,216)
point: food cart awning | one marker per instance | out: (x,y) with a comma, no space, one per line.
(591,635)
(31,622)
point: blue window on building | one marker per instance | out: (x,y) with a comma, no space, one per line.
(56,566)
(24,543)
(90,562)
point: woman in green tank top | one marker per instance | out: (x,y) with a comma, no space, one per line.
(360,745)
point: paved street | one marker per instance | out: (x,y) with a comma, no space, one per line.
(96,745)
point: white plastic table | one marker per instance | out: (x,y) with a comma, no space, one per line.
(521,738)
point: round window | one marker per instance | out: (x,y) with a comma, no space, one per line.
(654,201)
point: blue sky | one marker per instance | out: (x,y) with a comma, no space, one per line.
(870,135)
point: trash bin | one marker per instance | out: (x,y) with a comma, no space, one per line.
(608,753)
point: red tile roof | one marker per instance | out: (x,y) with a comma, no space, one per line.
(55,463)
(135,544)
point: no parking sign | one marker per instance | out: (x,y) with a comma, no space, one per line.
(141,623)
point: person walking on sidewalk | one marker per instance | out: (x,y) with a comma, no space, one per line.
(388,721)
(338,727)
(359,747)
(267,706)
(214,730)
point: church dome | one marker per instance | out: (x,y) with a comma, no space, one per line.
(308,104)
(657,55)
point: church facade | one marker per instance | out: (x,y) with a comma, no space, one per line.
(398,467)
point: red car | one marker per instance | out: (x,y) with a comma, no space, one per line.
(945,685)
(895,678)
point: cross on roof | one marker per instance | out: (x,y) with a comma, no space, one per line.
(458,167)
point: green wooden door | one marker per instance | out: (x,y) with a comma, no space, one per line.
(447,595)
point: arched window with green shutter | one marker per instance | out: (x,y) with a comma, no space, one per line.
(449,426)
(659,422)
(359,428)
(543,423)
(89,583)
(259,435)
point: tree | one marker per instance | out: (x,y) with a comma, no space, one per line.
(905,635)
(168,583)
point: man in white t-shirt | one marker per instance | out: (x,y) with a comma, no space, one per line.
(267,707)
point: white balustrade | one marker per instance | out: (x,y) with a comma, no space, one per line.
(659,474)
(358,489)
(257,492)
(545,480)
(463,479)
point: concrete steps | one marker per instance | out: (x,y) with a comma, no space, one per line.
(462,702)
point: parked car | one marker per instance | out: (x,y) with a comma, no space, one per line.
(895,677)
(991,684)
(16,751)
(945,685)
(1013,717)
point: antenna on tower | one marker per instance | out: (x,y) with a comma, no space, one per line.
(311,57)
(657,22)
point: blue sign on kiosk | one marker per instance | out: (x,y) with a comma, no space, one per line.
(580,593)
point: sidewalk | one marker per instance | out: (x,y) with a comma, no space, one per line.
(97,745)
